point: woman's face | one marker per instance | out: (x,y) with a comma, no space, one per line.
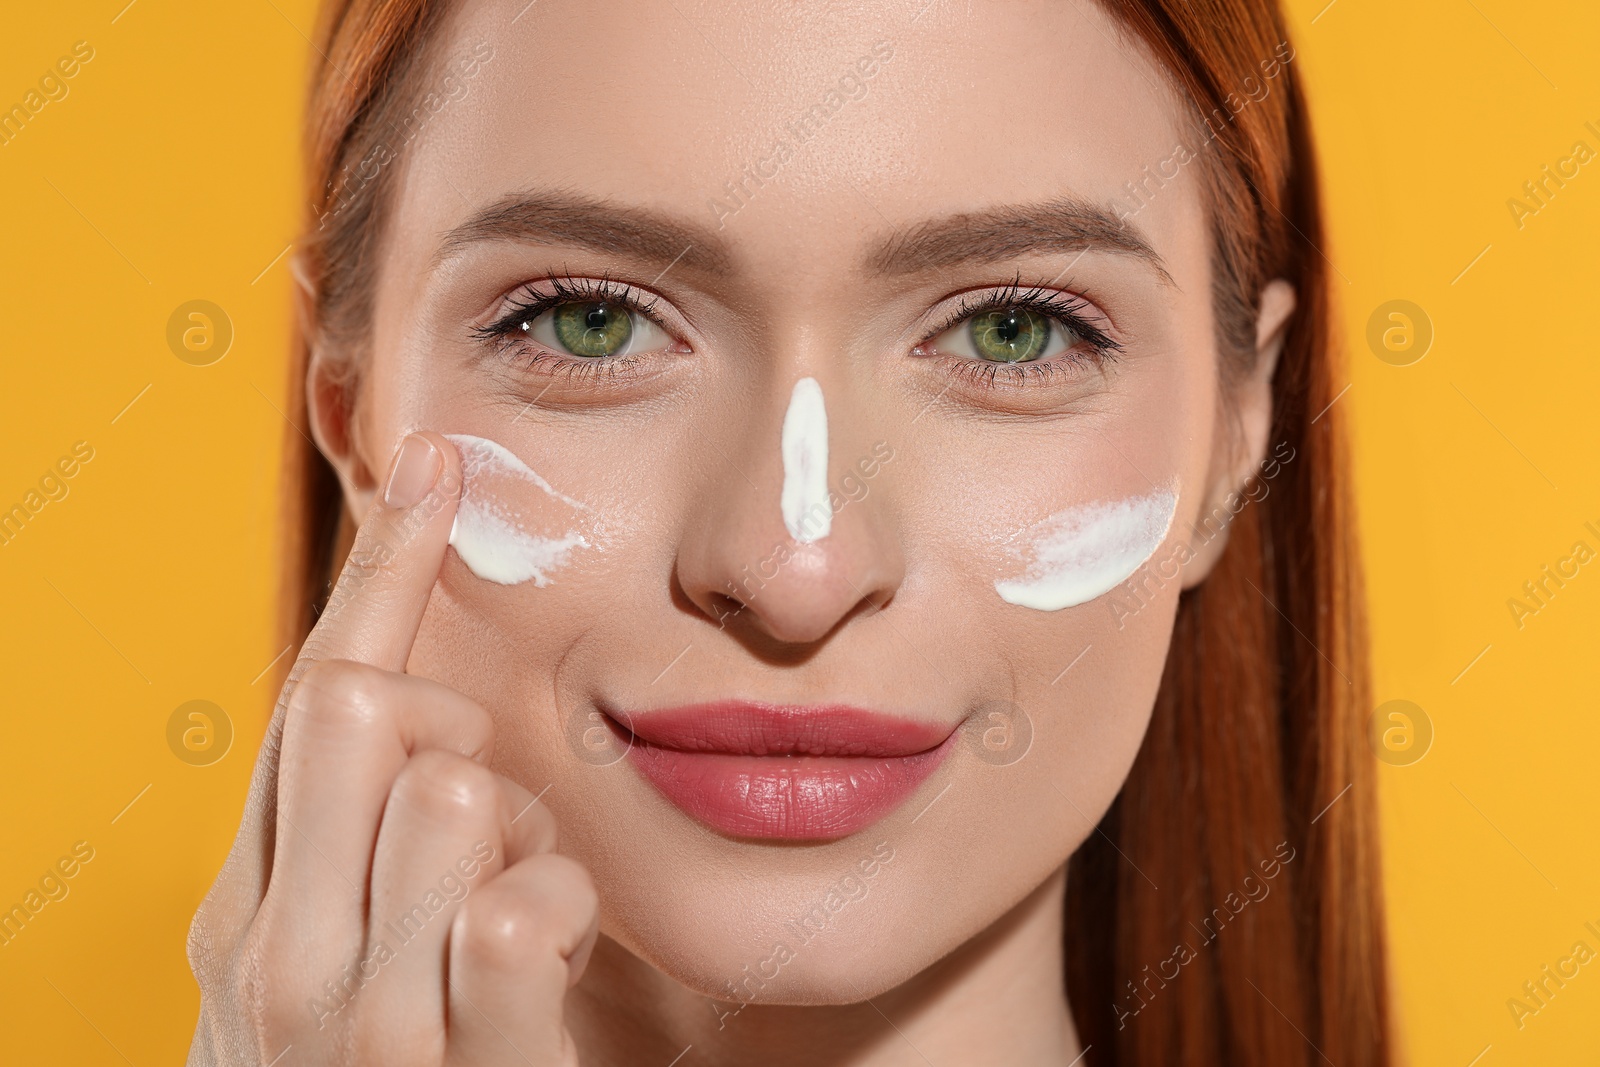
(822,192)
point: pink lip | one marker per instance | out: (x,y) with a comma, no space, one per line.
(792,773)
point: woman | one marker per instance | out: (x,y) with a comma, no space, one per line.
(871,478)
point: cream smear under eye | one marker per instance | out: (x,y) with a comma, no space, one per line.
(1084,552)
(807,514)
(497,539)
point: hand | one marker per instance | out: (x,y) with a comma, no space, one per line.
(389,899)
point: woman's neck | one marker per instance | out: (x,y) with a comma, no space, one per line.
(999,998)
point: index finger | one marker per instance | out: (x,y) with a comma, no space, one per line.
(372,617)
(376,606)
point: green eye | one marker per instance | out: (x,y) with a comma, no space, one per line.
(592,329)
(1009,335)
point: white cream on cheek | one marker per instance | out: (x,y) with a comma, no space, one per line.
(497,539)
(807,514)
(1083,552)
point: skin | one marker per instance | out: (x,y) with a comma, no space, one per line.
(430,708)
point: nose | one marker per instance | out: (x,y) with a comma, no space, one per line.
(793,542)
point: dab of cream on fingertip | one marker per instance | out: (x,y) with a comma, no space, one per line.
(497,540)
(807,514)
(1085,552)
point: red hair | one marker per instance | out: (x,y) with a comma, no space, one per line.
(1257,746)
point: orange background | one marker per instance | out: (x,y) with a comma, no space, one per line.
(168,174)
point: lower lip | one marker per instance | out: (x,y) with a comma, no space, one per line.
(792,798)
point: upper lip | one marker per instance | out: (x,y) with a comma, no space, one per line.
(751,728)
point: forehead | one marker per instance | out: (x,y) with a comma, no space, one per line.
(797,130)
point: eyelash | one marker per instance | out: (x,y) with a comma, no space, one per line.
(506,333)
(1059,307)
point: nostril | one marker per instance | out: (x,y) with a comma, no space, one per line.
(725,607)
(874,606)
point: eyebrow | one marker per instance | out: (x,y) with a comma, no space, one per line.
(567,218)
(564,217)
(1002,233)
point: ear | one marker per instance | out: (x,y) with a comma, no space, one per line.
(330,407)
(1240,445)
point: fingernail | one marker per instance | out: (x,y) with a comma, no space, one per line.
(416,467)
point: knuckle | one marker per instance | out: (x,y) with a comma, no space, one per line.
(533,915)
(265,993)
(201,945)
(477,723)
(497,928)
(369,553)
(445,784)
(200,948)
(541,827)
(471,727)
(566,879)
(337,695)
(218,927)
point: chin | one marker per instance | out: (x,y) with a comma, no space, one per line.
(734,954)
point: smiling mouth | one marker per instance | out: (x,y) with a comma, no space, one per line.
(783,772)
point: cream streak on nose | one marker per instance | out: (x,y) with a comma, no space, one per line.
(807,514)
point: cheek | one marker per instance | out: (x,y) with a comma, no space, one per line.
(558,571)
(998,503)
(1046,524)
(517,614)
